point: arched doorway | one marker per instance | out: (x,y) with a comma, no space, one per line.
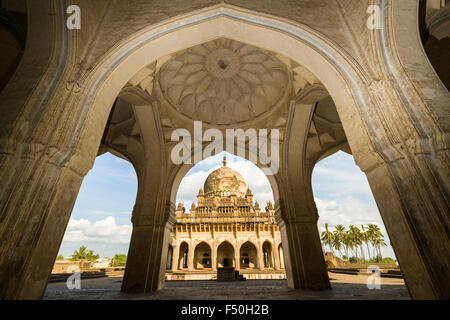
(225,255)
(267,255)
(248,254)
(347,210)
(183,260)
(350,86)
(97,209)
(202,256)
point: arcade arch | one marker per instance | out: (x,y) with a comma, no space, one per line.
(389,154)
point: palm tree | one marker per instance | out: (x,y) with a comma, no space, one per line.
(339,234)
(366,239)
(80,254)
(84,254)
(376,239)
(356,240)
(327,237)
(380,243)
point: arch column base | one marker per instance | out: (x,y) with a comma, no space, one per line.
(175,257)
(36,201)
(147,256)
(305,268)
(415,214)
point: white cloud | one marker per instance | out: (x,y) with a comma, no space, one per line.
(103,231)
(346,212)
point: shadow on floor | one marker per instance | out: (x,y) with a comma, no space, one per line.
(109,289)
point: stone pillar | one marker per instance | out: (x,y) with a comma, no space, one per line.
(305,264)
(281,255)
(306,268)
(417,221)
(191,257)
(38,182)
(276,257)
(147,255)
(237,258)
(154,213)
(32,227)
(260,257)
(175,257)
(214,257)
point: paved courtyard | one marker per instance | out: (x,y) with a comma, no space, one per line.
(344,287)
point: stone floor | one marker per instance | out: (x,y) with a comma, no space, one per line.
(344,287)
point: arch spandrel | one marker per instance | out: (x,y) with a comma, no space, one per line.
(359,101)
(315,55)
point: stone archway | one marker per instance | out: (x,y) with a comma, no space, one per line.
(267,259)
(410,162)
(248,256)
(203,256)
(225,255)
(183,258)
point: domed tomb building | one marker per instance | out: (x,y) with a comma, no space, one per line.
(225,229)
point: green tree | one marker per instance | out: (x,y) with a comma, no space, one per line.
(366,239)
(338,242)
(377,240)
(84,254)
(59,257)
(346,241)
(352,243)
(388,260)
(119,260)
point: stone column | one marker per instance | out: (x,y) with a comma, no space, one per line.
(214,257)
(40,170)
(296,212)
(147,254)
(175,257)
(305,265)
(417,221)
(191,257)
(237,258)
(154,213)
(260,257)
(33,225)
(276,257)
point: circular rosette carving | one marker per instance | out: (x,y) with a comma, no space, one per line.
(224,82)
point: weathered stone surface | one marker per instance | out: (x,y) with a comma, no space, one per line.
(392,110)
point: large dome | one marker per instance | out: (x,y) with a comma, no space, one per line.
(225,181)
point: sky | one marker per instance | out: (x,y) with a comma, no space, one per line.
(101,216)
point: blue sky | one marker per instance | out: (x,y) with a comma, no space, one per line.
(101,215)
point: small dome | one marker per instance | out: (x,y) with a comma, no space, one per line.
(225,181)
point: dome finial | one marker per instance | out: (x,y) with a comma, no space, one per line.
(224,161)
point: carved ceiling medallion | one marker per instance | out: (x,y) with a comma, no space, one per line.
(224,82)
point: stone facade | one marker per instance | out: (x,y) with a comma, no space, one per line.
(225,229)
(371,92)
